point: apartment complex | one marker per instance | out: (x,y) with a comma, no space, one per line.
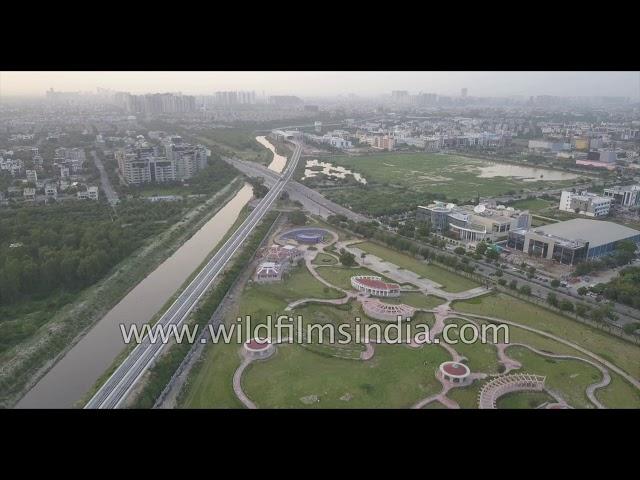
(585,203)
(171,161)
(156,103)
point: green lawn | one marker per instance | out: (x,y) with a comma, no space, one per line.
(396,377)
(532,204)
(623,354)
(341,276)
(450,281)
(480,357)
(417,300)
(324,259)
(520,400)
(467,397)
(568,377)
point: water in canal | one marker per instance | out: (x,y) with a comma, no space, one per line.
(79,369)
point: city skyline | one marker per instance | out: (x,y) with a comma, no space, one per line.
(329,84)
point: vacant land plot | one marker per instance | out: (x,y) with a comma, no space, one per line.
(449,281)
(397,181)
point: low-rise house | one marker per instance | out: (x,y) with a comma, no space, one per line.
(29,194)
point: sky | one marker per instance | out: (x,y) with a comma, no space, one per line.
(329,83)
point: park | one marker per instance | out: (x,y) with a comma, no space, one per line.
(550,361)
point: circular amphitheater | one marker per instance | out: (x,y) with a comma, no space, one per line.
(518,382)
(307,236)
(387,312)
(258,348)
(375,286)
(454,372)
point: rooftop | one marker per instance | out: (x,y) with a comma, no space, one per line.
(596,232)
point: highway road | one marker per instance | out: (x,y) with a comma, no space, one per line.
(115,390)
(312,200)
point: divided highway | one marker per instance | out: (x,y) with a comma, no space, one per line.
(115,390)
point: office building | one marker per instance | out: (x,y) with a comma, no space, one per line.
(624,196)
(473,223)
(572,241)
(585,203)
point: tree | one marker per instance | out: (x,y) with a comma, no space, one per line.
(459,250)
(347,259)
(581,310)
(502,282)
(555,283)
(513,284)
(492,254)
(499,273)
(582,290)
(481,248)
(297,218)
(552,299)
(531,271)
(566,306)
(525,289)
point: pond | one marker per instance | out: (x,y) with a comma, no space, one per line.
(526,174)
(313,167)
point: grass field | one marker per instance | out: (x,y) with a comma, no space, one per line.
(534,205)
(623,354)
(401,181)
(396,377)
(341,276)
(450,281)
(518,400)
(568,377)
(324,259)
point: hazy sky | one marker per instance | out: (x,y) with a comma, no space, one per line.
(330,83)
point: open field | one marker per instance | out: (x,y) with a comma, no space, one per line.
(396,377)
(569,377)
(397,182)
(534,205)
(450,281)
(341,276)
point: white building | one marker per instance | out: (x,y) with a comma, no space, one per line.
(29,194)
(32,176)
(585,203)
(51,191)
(608,156)
(625,196)
(91,194)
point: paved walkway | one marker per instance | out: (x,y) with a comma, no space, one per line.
(237,384)
(403,276)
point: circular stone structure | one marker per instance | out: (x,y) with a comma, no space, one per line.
(375,286)
(387,312)
(307,236)
(454,372)
(257,348)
